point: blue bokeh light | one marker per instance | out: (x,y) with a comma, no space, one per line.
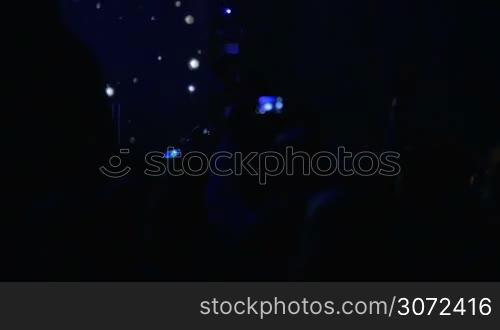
(270,104)
(173,153)
(232,48)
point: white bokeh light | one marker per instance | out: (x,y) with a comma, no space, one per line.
(194,64)
(189,19)
(191,89)
(110,91)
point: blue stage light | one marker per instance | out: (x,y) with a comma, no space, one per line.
(279,105)
(173,153)
(232,48)
(228,11)
(270,104)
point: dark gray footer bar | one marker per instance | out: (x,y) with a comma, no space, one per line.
(249,306)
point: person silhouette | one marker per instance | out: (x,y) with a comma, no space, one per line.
(59,135)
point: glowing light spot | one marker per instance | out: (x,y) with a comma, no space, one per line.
(270,104)
(110,91)
(189,19)
(232,48)
(173,154)
(194,64)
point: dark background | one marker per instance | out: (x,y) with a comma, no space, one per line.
(420,78)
